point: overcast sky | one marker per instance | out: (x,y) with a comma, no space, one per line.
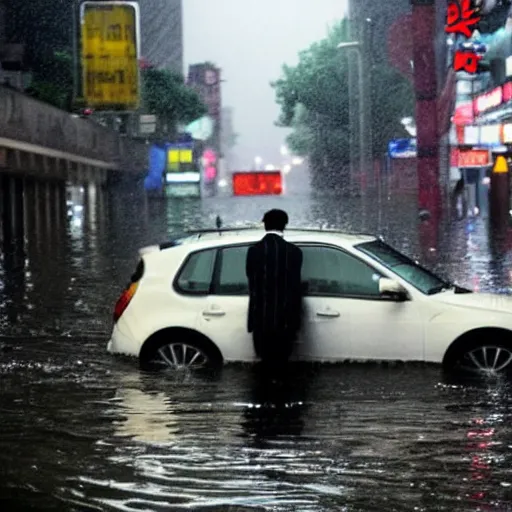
(250,40)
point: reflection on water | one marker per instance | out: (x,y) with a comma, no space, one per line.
(83,431)
(148,416)
(276,409)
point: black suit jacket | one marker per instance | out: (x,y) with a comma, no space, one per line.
(273,269)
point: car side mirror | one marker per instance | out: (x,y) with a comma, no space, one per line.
(392,289)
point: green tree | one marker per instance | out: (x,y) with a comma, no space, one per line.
(45,29)
(55,88)
(313,98)
(166,96)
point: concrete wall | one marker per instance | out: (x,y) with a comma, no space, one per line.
(37,138)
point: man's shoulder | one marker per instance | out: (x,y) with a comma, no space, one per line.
(293,247)
(255,246)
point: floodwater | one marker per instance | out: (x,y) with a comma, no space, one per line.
(83,431)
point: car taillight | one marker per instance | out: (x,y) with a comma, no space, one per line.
(124,300)
(129,292)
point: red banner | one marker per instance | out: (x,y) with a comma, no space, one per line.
(473,158)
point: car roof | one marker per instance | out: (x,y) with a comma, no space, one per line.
(215,238)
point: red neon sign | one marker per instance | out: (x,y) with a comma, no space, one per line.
(209,162)
(489,100)
(463,114)
(460,17)
(507,92)
(466,60)
(473,158)
(257,183)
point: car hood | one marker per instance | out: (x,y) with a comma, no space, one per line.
(487,301)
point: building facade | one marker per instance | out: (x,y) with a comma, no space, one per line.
(205,78)
(2,23)
(162,33)
(227,136)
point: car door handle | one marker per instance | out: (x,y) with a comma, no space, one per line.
(328,314)
(214,312)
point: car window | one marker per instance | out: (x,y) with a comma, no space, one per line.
(196,275)
(232,279)
(329,271)
(422,279)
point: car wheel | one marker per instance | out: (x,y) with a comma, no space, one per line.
(487,359)
(184,352)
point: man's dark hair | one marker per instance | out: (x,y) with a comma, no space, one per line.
(275,220)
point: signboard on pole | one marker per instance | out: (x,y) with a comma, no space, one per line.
(147,124)
(402,148)
(472,158)
(182,171)
(110,47)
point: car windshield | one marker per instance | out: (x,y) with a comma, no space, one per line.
(404,267)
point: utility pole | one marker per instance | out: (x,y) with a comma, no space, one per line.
(367,62)
(351,114)
(356,47)
(75,6)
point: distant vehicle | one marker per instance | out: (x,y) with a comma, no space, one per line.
(186,306)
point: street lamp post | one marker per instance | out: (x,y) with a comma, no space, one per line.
(356,46)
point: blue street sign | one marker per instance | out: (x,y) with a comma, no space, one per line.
(402,148)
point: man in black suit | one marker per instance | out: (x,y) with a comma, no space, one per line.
(273,268)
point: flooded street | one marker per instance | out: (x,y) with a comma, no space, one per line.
(83,431)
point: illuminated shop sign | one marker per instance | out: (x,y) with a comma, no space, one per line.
(210,165)
(473,158)
(257,183)
(181,166)
(508,66)
(507,133)
(471,135)
(489,100)
(495,98)
(507,92)
(179,159)
(183,177)
(490,134)
(183,190)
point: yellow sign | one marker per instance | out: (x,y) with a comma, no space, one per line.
(110,55)
(500,165)
(177,160)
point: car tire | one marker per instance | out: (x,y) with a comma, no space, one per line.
(481,358)
(181,350)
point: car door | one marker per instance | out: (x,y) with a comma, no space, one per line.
(326,324)
(223,317)
(346,316)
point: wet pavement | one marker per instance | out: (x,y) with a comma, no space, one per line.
(81,430)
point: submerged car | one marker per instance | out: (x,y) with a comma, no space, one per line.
(186,306)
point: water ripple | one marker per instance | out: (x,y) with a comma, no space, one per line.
(81,431)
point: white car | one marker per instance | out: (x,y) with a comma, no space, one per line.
(187,306)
